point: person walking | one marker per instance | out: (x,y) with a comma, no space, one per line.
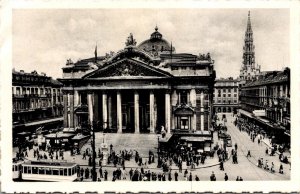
(281,169)
(221,165)
(100,172)
(226,177)
(105,175)
(190,177)
(248,154)
(213,176)
(176,176)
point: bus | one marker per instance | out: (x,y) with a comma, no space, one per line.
(49,171)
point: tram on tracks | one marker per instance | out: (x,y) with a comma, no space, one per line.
(47,171)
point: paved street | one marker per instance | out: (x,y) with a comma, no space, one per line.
(246,167)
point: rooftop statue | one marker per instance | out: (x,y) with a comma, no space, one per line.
(130,40)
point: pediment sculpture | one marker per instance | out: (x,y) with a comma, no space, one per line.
(130,40)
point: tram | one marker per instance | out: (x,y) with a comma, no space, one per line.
(16,169)
(48,171)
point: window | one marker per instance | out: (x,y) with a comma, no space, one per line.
(224,90)
(34,170)
(224,101)
(69,171)
(65,172)
(229,95)
(183,97)
(234,95)
(41,170)
(235,90)
(229,89)
(29,169)
(48,171)
(224,95)
(219,93)
(55,171)
(61,171)
(25,169)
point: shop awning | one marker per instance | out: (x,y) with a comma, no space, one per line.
(246,113)
(44,122)
(195,139)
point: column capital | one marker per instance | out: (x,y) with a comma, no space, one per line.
(168,91)
(90,92)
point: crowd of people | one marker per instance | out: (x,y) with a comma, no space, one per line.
(254,133)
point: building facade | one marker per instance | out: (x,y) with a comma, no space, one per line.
(249,70)
(267,102)
(141,88)
(37,99)
(226,95)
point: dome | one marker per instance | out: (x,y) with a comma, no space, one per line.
(156,43)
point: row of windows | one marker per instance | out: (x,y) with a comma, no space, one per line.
(224,95)
(227,90)
(225,101)
(49,171)
(28,90)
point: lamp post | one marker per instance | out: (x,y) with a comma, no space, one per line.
(92,127)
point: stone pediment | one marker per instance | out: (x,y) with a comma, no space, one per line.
(128,68)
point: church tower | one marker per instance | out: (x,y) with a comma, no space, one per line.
(249,71)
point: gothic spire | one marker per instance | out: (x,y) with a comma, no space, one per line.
(249,29)
(249,55)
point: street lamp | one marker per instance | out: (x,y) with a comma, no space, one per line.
(91,128)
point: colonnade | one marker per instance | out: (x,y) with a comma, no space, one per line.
(171,99)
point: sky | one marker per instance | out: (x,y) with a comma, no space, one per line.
(43,39)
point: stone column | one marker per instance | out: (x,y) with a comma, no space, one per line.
(90,107)
(65,97)
(109,110)
(76,103)
(167,112)
(119,112)
(174,101)
(71,98)
(104,110)
(136,112)
(152,115)
(202,111)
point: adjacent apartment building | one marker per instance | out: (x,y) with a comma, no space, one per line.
(37,101)
(226,95)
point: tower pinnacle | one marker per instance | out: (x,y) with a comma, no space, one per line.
(249,70)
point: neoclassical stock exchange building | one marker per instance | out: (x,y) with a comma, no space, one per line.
(140,89)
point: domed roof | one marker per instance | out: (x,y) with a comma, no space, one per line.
(156,43)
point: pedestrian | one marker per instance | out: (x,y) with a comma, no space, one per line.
(267,151)
(105,175)
(241,179)
(281,169)
(213,176)
(248,154)
(190,177)
(197,178)
(185,173)
(221,165)
(226,177)
(130,173)
(236,146)
(237,178)
(100,172)
(176,176)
